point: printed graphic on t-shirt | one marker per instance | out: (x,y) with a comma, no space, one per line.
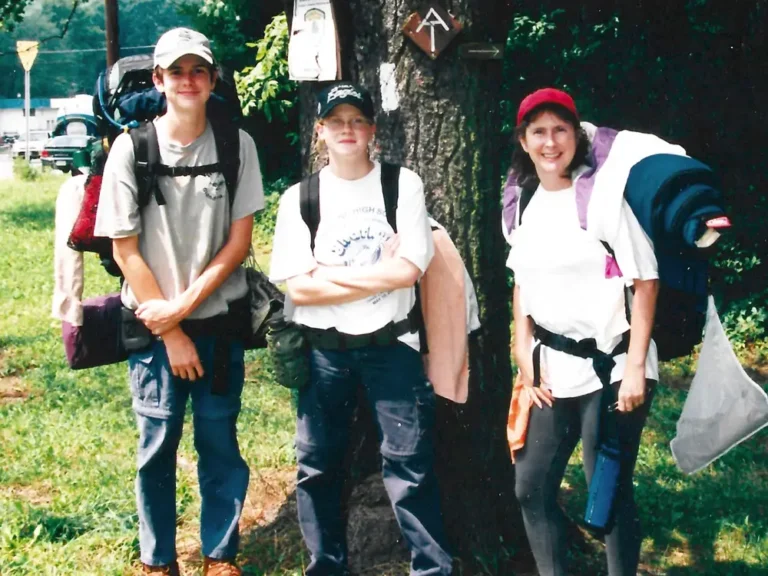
(354,238)
(214,186)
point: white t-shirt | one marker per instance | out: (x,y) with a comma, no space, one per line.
(352,231)
(561,270)
(179,240)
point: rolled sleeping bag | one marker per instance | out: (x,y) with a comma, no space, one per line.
(143,105)
(147,104)
(683,220)
(673,198)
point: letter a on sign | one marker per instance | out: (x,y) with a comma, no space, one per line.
(432,29)
(27,50)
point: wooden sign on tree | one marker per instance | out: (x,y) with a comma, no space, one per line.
(432,29)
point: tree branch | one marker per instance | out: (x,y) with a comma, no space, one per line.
(64,30)
(61,34)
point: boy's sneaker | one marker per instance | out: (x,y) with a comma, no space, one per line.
(214,567)
(166,570)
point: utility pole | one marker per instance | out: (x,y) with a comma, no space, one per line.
(112,31)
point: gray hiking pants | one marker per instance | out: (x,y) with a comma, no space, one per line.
(553,434)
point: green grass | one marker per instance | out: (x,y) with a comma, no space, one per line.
(67,448)
(714,522)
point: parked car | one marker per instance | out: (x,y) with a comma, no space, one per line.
(59,150)
(72,124)
(36,143)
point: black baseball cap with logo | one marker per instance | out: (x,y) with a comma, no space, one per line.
(344,93)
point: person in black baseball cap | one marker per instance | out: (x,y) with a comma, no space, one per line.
(345,93)
(350,260)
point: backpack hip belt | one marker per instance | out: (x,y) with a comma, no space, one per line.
(224,328)
(602,362)
(332,339)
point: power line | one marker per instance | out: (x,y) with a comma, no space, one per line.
(92,49)
(80,50)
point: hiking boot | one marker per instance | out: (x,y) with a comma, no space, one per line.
(214,567)
(167,569)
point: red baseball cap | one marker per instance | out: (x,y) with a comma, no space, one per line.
(545,96)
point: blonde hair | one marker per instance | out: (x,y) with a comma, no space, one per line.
(318,152)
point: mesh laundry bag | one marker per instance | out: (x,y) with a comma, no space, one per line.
(724,405)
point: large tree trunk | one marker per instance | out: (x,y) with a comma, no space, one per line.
(447,129)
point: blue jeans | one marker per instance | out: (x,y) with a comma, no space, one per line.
(159,401)
(403,403)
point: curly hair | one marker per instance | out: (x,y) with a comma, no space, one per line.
(522,165)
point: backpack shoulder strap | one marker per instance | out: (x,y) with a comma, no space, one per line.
(390,188)
(146,154)
(309,204)
(525,198)
(227,137)
(608,249)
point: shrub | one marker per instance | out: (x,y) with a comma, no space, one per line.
(24,171)
(264,220)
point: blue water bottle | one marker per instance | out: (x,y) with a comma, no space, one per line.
(602,489)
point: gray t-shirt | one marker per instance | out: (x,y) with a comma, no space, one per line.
(179,240)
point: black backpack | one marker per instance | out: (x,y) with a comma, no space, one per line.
(133,103)
(125,96)
(309,204)
(147,166)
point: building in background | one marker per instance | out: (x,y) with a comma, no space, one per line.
(44,115)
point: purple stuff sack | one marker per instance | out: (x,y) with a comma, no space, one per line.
(97,342)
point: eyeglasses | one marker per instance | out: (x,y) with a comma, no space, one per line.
(335,123)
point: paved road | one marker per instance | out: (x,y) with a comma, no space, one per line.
(6,166)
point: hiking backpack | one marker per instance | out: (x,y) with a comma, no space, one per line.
(672,196)
(309,204)
(126,100)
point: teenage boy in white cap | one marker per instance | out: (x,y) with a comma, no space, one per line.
(181,263)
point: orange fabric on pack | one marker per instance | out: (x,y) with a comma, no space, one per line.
(445,317)
(517,420)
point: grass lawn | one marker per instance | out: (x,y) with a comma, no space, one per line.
(67,439)
(67,447)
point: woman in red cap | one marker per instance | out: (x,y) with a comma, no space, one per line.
(587,364)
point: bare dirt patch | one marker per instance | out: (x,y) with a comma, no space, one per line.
(13,389)
(267,492)
(269,504)
(37,495)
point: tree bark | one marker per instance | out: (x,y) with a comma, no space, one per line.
(447,129)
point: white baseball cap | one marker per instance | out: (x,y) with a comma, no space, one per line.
(179,42)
